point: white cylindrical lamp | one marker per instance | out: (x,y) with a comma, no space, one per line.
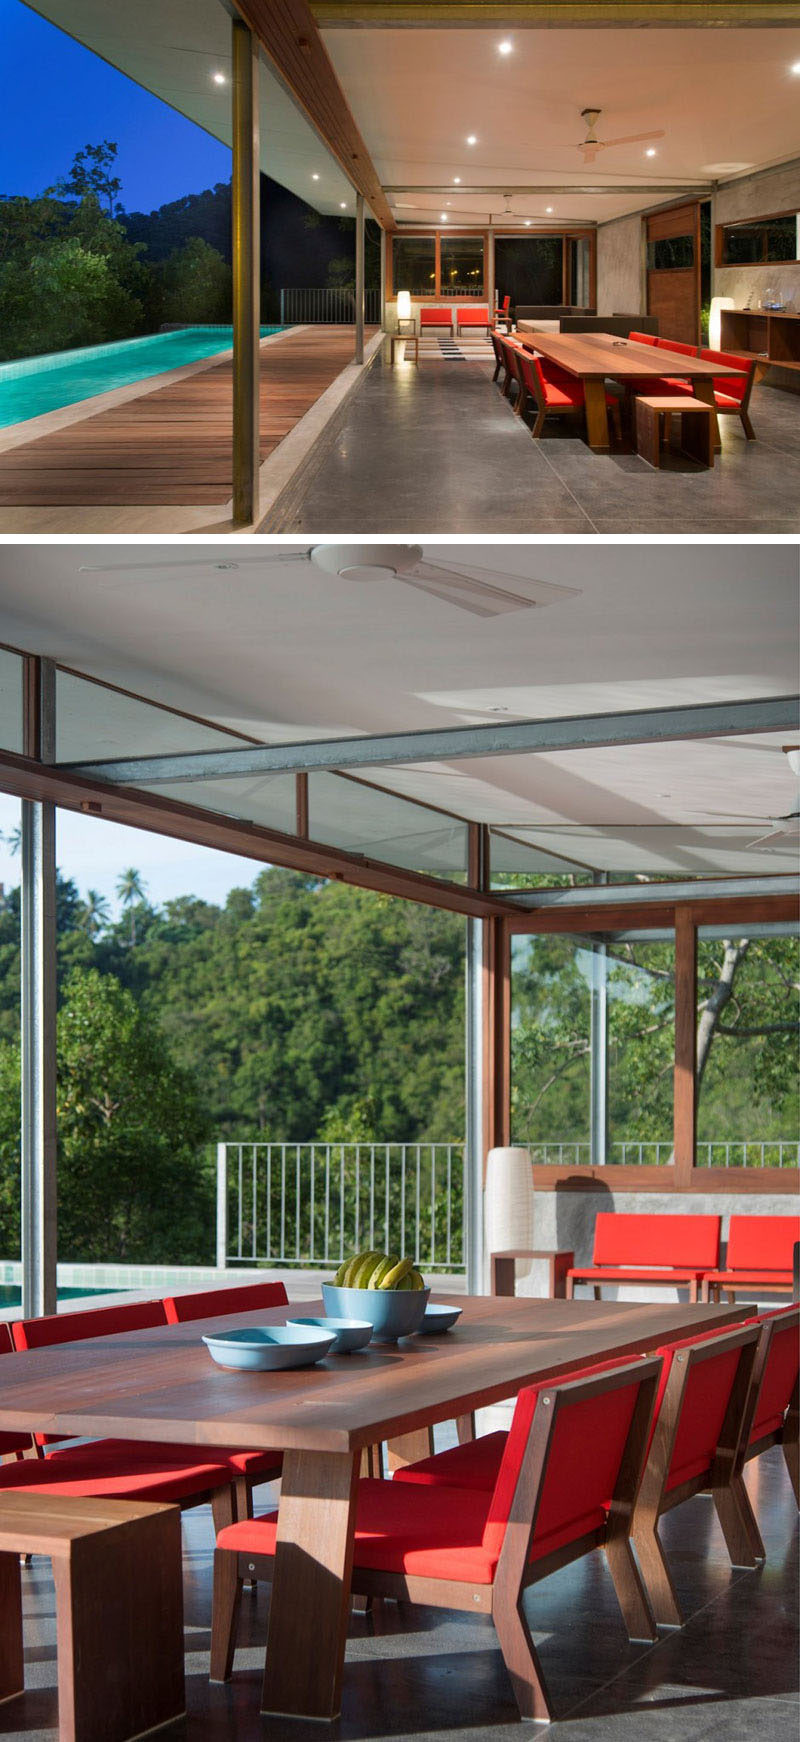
(508,1200)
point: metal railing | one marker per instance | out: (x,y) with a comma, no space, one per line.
(330,308)
(725,1152)
(313,1203)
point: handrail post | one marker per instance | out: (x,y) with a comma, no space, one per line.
(222,1206)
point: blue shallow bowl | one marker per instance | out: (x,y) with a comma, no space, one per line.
(438,1318)
(392,1312)
(266,1348)
(349,1334)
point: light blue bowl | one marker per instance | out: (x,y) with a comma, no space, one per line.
(267,1348)
(438,1318)
(392,1312)
(349,1334)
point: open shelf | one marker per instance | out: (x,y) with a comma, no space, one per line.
(771,337)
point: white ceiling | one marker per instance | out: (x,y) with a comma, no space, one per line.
(278,651)
(173,48)
(725,99)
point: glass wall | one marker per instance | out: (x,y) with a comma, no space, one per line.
(748,1006)
(462,265)
(551,1016)
(530,269)
(640,983)
(414,264)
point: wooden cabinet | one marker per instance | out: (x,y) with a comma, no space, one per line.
(760,333)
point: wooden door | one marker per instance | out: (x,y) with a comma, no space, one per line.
(673,271)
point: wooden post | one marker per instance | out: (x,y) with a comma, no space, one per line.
(359,278)
(246,275)
(685,1045)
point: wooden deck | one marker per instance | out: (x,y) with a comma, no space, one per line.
(173,446)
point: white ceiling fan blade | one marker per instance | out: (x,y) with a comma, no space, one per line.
(590,151)
(771,835)
(630,139)
(457,590)
(198,562)
(540,592)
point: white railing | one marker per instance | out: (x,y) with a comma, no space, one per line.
(332,308)
(313,1203)
(723,1152)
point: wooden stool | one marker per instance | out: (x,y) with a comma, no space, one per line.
(697,428)
(504,1266)
(410,340)
(119,1610)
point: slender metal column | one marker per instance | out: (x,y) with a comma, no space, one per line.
(38,1010)
(383,280)
(475,1067)
(599,1056)
(246,275)
(359,278)
(489,271)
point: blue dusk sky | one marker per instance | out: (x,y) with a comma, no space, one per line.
(58,97)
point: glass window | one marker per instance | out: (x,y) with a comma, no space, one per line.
(10,701)
(414,264)
(518,863)
(95,723)
(639,981)
(462,265)
(761,239)
(381,825)
(551,995)
(747,1067)
(670,254)
(529,269)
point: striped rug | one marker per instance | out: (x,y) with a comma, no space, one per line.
(466,348)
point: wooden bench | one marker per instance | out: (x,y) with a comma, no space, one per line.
(671,1251)
(436,317)
(760,1257)
(119,1611)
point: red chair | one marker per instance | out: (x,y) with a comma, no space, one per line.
(211,1303)
(499,359)
(566,1485)
(512,351)
(13,1445)
(676,345)
(133,1463)
(472,317)
(702,1396)
(503,313)
(732,392)
(553,391)
(435,317)
(772,1416)
(650,1249)
(759,1257)
(643,338)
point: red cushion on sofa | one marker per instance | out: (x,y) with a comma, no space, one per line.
(685,1242)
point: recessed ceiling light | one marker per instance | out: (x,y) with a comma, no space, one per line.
(527,223)
(651,151)
(795,68)
(220,79)
(342,205)
(505,47)
(315,177)
(449,202)
(443,217)
(456,181)
(548,208)
(472,139)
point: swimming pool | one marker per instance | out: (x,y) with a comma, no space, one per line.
(11,1293)
(37,384)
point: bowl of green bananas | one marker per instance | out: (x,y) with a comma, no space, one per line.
(382,1288)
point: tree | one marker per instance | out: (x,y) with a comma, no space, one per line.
(196,284)
(91,173)
(131,891)
(96,913)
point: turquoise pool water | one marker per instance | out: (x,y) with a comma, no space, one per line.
(38,384)
(11,1294)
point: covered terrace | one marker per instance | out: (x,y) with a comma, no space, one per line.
(579,762)
(601,167)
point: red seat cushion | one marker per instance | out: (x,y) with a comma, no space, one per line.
(212,1303)
(78,1471)
(631,1273)
(779,1377)
(677,345)
(72,1327)
(675,1242)
(236,1463)
(705,1400)
(762,1242)
(472,317)
(473,1465)
(642,338)
(734,386)
(11,1442)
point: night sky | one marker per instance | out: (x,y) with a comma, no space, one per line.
(58,97)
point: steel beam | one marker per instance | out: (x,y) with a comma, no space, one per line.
(574,732)
(662,893)
(245,204)
(38,1011)
(359,278)
(475,189)
(476,1070)
(552,14)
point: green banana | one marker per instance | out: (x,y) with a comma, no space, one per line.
(416,1281)
(338,1281)
(367,1263)
(374,1269)
(381,1270)
(393,1278)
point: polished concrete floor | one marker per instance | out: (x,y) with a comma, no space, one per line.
(433,1676)
(437,449)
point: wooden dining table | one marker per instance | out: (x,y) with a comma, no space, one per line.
(595,358)
(162,1384)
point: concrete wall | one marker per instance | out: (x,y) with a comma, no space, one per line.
(619,267)
(756,196)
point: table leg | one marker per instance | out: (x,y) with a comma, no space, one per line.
(705,390)
(11,1661)
(409,1448)
(596,415)
(311,1585)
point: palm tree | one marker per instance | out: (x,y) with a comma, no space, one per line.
(13,840)
(95,912)
(131,891)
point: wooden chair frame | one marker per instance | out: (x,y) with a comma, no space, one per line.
(723,1480)
(503,1599)
(787,1436)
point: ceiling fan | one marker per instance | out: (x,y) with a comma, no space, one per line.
(783,827)
(469,588)
(591,144)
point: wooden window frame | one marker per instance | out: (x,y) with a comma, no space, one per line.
(684,918)
(741,224)
(419,232)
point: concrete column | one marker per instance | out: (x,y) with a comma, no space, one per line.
(383,280)
(38,1010)
(246,275)
(359,278)
(475,1072)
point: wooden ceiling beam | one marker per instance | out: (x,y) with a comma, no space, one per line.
(553,14)
(290,39)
